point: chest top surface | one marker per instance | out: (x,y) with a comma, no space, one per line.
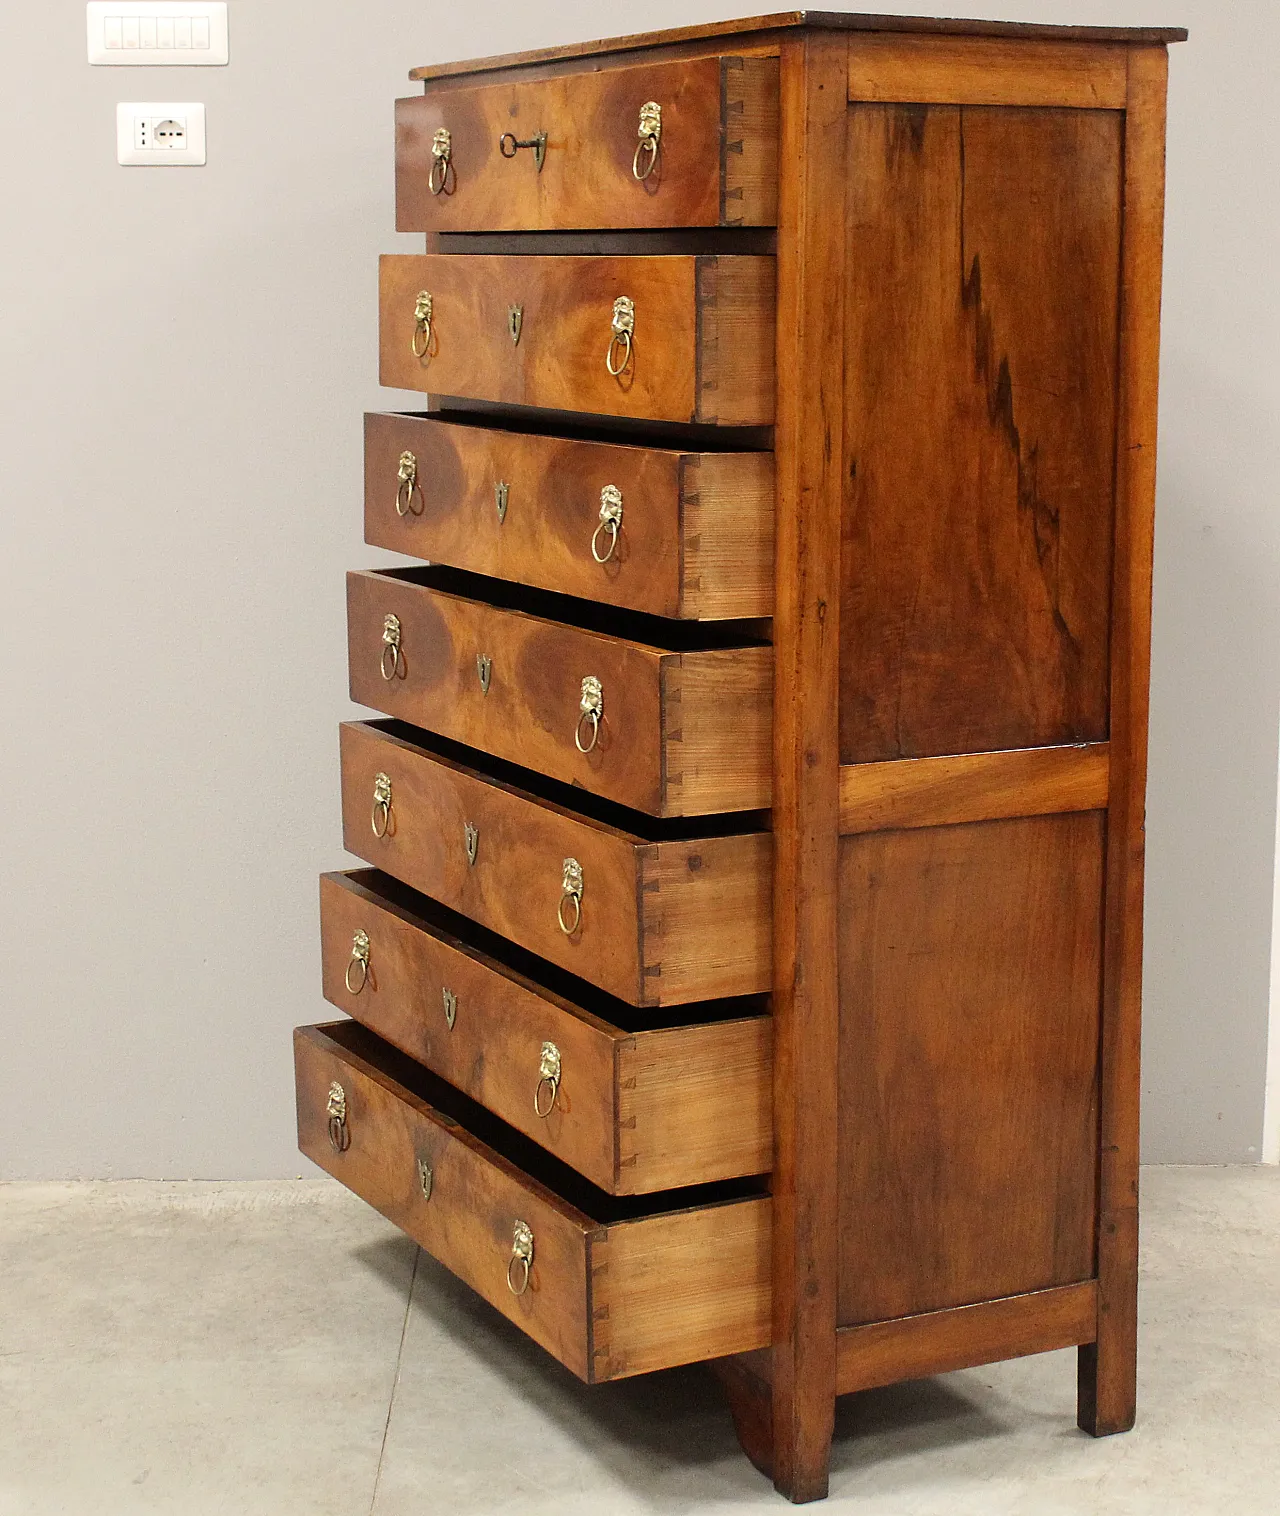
(790,21)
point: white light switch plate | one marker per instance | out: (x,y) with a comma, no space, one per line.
(165,33)
(159,134)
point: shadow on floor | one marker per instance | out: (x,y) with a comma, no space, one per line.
(675,1424)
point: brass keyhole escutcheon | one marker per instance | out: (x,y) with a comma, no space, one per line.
(509,145)
(426,1178)
(450,1008)
(471,835)
(484,671)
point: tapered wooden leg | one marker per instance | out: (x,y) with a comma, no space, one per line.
(804,1413)
(751,1406)
(1107,1387)
(787,1436)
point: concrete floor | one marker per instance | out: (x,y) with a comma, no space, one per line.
(270,1349)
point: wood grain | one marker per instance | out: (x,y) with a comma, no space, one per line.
(918,1347)
(703,347)
(694,1283)
(981,363)
(682,734)
(750,1398)
(717,166)
(914,792)
(477,1196)
(696,540)
(636,1111)
(1108,1377)
(663,922)
(812,280)
(782,21)
(717,724)
(890,69)
(694,1104)
(748,141)
(609,1294)
(704,917)
(969,1018)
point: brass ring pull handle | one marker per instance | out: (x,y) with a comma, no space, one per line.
(610,521)
(391,645)
(537,143)
(548,1081)
(571,894)
(336,1109)
(520,1263)
(359,958)
(648,147)
(590,714)
(408,486)
(421,339)
(623,331)
(441,161)
(381,819)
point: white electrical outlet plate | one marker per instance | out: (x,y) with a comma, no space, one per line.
(135,33)
(163,134)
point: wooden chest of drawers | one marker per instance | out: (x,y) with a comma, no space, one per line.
(747,965)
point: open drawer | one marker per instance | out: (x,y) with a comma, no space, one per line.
(654,912)
(611,1286)
(637,1100)
(670,718)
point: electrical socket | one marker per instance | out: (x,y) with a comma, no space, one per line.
(151,134)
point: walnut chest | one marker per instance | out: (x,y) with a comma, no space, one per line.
(746,968)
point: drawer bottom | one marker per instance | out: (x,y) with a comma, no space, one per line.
(610,1285)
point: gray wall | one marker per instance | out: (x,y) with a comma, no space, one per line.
(187,354)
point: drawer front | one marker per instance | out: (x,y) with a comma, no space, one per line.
(653,923)
(608,1296)
(716,162)
(697,345)
(633,1112)
(468,1219)
(687,535)
(665,733)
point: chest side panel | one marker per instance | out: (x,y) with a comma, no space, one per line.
(970,964)
(980,428)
